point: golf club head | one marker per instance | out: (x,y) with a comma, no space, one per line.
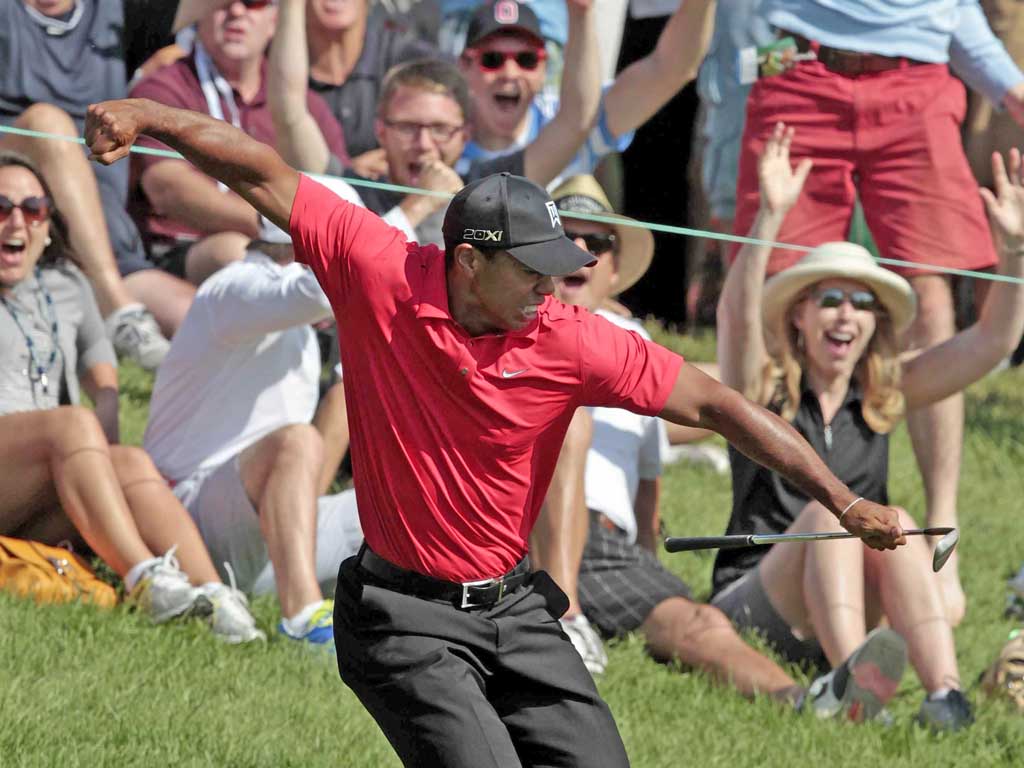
(944,549)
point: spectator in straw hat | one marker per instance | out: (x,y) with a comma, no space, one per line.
(825,358)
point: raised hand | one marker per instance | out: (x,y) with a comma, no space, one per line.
(1006,206)
(780,182)
(111,128)
(876,525)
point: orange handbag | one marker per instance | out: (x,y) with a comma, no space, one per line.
(50,574)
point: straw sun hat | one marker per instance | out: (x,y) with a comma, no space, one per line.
(845,261)
(583,194)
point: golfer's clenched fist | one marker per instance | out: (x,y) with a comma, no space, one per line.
(876,525)
(111,128)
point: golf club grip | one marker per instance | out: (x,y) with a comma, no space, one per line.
(693,543)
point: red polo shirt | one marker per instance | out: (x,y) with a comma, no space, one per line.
(455,438)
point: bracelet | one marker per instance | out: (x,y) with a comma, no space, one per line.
(849,507)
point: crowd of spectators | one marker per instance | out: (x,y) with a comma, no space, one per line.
(400,105)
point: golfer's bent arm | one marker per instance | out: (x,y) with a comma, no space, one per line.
(249,167)
(697,400)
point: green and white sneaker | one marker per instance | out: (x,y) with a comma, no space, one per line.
(858,689)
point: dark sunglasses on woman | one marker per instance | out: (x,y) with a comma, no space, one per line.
(35,209)
(830,298)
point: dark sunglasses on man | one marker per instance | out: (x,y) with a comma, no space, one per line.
(596,243)
(35,209)
(492,61)
(831,298)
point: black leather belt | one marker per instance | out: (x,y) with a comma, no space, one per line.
(469,594)
(851,63)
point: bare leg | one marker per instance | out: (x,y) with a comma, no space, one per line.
(161,520)
(560,533)
(937,431)
(77,196)
(167,297)
(910,596)
(280,473)
(331,420)
(212,253)
(701,636)
(61,456)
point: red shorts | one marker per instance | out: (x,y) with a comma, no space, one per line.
(890,138)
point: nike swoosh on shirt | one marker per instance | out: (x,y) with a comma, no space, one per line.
(510,374)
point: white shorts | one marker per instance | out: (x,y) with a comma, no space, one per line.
(230,527)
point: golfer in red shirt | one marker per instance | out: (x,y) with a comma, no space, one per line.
(462,374)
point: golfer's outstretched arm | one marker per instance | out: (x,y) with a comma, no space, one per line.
(249,167)
(697,400)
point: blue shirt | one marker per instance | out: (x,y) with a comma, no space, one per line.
(938,31)
(543,109)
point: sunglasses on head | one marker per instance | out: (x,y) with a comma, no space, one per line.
(491,61)
(830,298)
(596,244)
(35,209)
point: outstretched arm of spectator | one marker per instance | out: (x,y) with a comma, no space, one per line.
(741,348)
(249,167)
(178,191)
(579,99)
(299,139)
(645,86)
(945,369)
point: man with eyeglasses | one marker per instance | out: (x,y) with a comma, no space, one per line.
(193,226)
(423,123)
(504,63)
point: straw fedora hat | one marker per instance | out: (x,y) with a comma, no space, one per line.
(847,261)
(191,11)
(583,194)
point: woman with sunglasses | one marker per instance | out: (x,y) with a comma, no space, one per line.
(64,477)
(817,343)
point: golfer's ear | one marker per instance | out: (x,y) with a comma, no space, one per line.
(466,258)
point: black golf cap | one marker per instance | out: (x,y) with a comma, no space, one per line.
(503,212)
(503,15)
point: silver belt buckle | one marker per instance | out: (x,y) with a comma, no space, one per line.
(481,583)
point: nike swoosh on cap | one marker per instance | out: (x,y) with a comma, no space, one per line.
(510,374)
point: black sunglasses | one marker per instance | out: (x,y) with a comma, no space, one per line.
(830,298)
(491,61)
(35,209)
(257,5)
(597,244)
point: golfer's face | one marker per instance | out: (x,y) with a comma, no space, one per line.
(509,292)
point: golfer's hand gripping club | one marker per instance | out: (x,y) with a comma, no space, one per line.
(876,525)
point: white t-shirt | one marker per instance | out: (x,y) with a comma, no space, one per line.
(244,363)
(626,448)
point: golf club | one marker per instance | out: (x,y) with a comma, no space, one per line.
(950,537)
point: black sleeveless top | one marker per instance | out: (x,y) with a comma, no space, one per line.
(763,502)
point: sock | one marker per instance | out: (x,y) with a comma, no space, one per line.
(296,625)
(939,694)
(135,572)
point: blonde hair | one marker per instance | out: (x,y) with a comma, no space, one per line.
(877,372)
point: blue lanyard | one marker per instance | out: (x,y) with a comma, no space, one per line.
(36,371)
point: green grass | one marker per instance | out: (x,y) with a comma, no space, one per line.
(80,687)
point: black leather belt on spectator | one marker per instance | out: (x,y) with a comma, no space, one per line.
(851,63)
(469,594)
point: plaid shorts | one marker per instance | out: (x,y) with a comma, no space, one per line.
(620,582)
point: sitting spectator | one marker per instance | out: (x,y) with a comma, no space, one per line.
(421,123)
(62,469)
(621,585)
(55,59)
(229,426)
(504,63)
(826,359)
(350,51)
(193,226)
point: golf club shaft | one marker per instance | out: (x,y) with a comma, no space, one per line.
(692,543)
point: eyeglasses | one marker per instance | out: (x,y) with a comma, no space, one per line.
(595,243)
(830,298)
(35,209)
(439,132)
(491,61)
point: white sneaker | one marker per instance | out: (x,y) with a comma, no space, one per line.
(164,592)
(230,618)
(135,335)
(859,688)
(586,642)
